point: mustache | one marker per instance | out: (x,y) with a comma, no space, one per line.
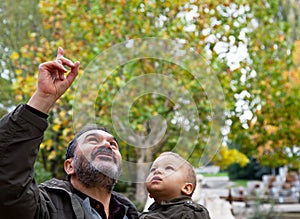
(103,150)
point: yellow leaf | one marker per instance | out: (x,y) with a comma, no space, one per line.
(62,114)
(66,131)
(56,127)
(118,81)
(42,145)
(19,97)
(271,129)
(32,36)
(18,72)
(140,127)
(52,155)
(14,56)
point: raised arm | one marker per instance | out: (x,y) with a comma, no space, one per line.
(21,132)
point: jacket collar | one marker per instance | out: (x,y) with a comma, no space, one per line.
(175,201)
(66,186)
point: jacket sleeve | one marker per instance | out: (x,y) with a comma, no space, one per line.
(21,133)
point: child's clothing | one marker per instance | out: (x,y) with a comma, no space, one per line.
(181,207)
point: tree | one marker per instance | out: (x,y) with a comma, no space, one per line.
(18,21)
(269,135)
(217,31)
(289,13)
(278,141)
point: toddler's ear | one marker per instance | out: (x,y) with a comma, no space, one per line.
(187,189)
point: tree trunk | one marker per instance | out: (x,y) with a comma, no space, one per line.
(143,166)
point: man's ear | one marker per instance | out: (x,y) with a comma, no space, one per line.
(69,167)
(187,189)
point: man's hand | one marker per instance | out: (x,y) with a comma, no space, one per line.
(52,81)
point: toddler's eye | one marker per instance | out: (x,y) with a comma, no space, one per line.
(170,168)
(152,169)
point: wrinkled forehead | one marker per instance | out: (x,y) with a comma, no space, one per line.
(96,133)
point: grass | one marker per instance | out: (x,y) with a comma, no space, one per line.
(242,183)
(212,174)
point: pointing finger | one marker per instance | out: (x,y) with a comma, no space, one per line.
(60,53)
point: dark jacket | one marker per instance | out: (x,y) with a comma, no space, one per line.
(178,208)
(21,133)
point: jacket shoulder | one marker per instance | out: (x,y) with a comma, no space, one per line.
(58,199)
(193,205)
(57,185)
(197,209)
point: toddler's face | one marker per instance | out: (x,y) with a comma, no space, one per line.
(167,177)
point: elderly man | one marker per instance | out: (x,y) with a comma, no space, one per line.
(93,160)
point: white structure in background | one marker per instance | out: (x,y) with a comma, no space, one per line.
(218,208)
(210,198)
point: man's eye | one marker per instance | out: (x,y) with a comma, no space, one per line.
(114,144)
(92,140)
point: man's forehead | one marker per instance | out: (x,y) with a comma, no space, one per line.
(96,132)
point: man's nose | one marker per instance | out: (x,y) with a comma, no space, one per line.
(107,144)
